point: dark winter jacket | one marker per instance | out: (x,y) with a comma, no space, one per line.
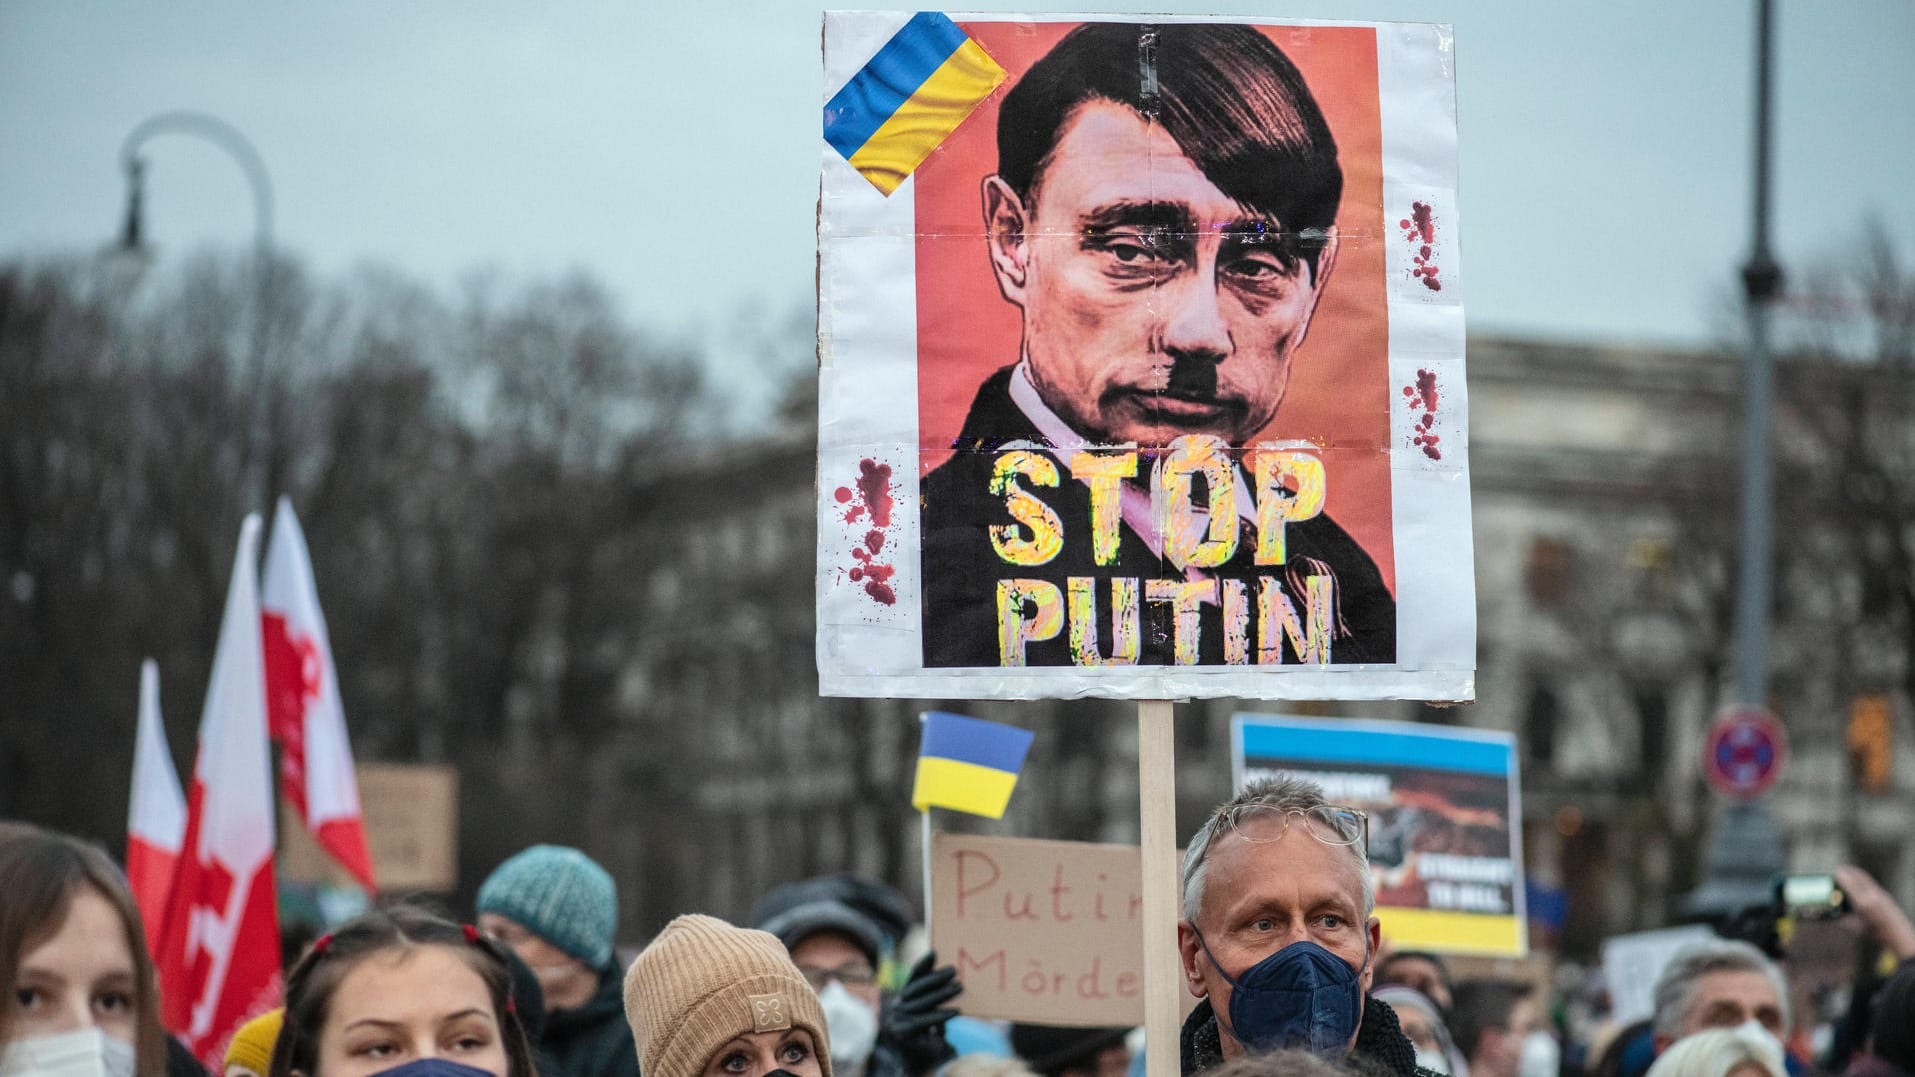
(593,1040)
(1380,1044)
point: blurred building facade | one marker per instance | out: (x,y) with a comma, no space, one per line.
(1604,491)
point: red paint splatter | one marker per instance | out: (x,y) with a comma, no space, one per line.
(1423,396)
(873,496)
(1425,223)
(1426,389)
(1419,231)
(874,482)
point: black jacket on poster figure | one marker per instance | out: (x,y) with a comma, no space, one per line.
(961,568)
(593,1040)
(1380,1043)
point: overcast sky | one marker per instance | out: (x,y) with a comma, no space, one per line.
(672,149)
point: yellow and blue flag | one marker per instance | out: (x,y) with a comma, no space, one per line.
(968,764)
(910,96)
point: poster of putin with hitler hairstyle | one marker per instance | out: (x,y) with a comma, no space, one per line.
(1141,360)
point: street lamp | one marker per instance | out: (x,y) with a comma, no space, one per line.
(132,244)
(1745,849)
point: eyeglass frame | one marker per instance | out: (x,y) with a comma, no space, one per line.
(820,978)
(1360,842)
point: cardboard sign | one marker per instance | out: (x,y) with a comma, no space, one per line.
(411,814)
(1185,419)
(1445,811)
(1048,932)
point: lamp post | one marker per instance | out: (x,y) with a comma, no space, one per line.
(1761,284)
(132,241)
(1745,849)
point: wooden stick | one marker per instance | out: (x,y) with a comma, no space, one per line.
(924,830)
(1157,805)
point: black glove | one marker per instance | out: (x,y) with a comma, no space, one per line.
(914,1022)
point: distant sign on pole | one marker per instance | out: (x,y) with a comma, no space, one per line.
(1745,752)
(1445,840)
(1041,931)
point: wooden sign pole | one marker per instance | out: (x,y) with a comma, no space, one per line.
(1157,805)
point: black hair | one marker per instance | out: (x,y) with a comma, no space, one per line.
(313,982)
(1227,94)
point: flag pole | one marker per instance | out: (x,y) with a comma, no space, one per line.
(924,843)
(1157,806)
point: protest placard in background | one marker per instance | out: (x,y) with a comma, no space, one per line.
(411,813)
(1632,963)
(1445,838)
(1041,931)
(1036,478)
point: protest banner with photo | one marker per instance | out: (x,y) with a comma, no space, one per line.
(1041,931)
(1186,418)
(1445,827)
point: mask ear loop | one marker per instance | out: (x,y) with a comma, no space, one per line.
(1229,979)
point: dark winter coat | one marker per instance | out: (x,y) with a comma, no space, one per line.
(1380,1043)
(593,1040)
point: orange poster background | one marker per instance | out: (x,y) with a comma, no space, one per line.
(1339,395)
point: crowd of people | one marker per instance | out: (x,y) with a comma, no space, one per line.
(1278,940)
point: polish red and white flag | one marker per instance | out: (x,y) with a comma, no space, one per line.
(156,812)
(219,943)
(302,701)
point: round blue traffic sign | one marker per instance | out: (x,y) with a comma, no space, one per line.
(1745,752)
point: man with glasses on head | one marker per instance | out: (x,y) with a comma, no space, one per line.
(1278,938)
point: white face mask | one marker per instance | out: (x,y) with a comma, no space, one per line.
(1432,1060)
(85,1052)
(1541,1056)
(1753,1027)
(850,1024)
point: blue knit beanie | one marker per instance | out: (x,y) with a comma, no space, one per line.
(559,894)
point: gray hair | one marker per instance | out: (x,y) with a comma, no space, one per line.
(1675,988)
(1265,796)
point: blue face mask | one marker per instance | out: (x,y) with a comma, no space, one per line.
(1301,996)
(433,1067)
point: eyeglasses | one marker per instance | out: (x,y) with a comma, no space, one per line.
(857,974)
(1330,824)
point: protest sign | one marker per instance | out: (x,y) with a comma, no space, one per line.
(1185,419)
(1445,833)
(1041,931)
(411,819)
(1632,963)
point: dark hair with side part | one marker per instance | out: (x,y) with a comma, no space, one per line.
(1480,1006)
(314,981)
(40,871)
(1226,94)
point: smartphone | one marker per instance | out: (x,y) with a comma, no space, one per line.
(1810,897)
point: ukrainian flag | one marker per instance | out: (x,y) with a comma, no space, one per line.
(909,98)
(967,764)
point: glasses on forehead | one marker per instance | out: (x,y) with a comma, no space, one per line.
(1331,824)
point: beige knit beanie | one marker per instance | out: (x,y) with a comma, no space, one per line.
(702,982)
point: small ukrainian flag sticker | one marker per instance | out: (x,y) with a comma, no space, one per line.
(910,97)
(968,764)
